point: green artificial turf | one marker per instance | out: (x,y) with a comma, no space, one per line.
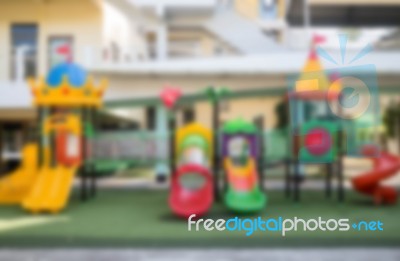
(141,218)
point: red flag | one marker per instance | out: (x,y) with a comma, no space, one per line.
(318,39)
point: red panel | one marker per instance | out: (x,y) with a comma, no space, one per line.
(318,141)
(68,148)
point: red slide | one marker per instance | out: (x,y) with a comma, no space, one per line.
(385,166)
(185,201)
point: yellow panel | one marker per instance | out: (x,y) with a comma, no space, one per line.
(51,191)
(66,95)
(61,121)
(243,171)
(15,186)
(38,193)
(60,190)
(307,85)
(195,129)
(313,70)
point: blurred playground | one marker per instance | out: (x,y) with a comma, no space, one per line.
(108,148)
(80,185)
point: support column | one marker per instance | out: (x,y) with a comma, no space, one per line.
(43,141)
(299,117)
(92,168)
(162,145)
(161,35)
(171,142)
(83,148)
(162,45)
(339,165)
(216,128)
(38,137)
(1,147)
(328,180)
(288,165)
(259,122)
(340,169)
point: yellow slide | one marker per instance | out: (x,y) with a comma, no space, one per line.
(51,190)
(15,186)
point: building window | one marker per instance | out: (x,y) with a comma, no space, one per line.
(268,9)
(60,50)
(24,49)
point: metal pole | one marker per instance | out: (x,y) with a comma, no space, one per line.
(83,148)
(328,179)
(340,170)
(340,160)
(287,164)
(397,129)
(40,136)
(296,164)
(261,164)
(288,160)
(93,177)
(52,141)
(296,171)
(172,130)
(1,147)
(216,150)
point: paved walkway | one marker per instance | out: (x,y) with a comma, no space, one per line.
(332,254)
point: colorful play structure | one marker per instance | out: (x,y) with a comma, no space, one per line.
(65,102)
(192,182)
(225,164)
(15,186)
(313,136)
(325,138)
(321,136)
(240,152)
(192,186)
(369,183)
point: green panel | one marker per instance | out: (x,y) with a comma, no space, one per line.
(276,145)
(194,141)
(216,94)
(245,202)
(89,130)
(238,126)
